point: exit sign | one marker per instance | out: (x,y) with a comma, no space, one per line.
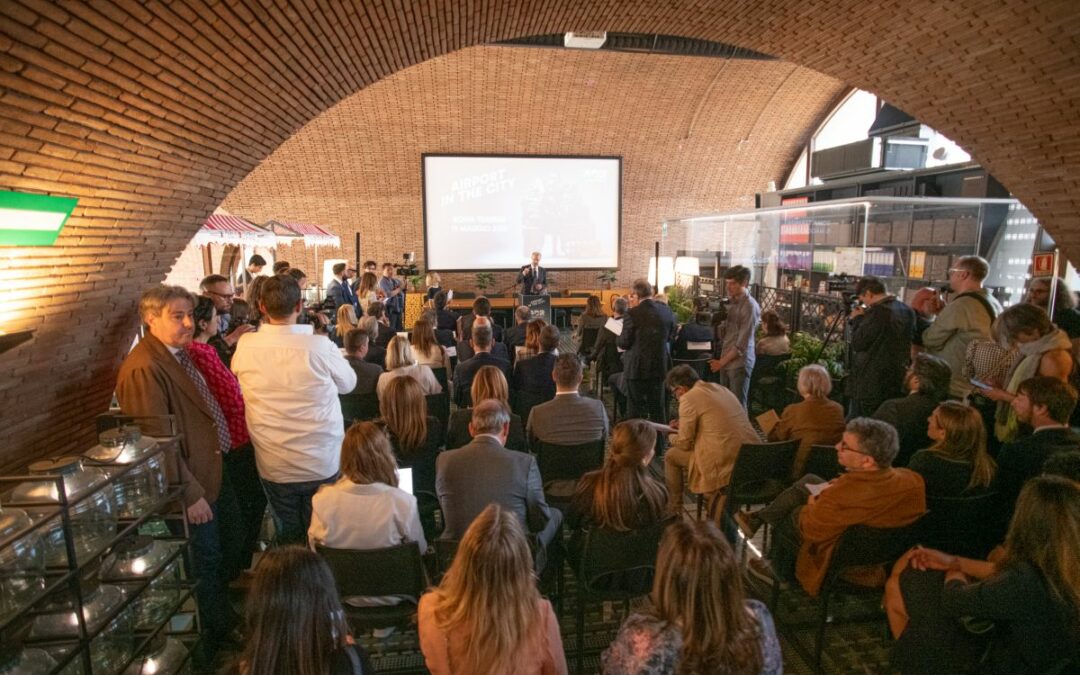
(31,219)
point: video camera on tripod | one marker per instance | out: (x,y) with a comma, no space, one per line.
(408,267)
(845,285)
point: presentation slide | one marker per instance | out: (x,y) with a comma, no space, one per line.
(491,212)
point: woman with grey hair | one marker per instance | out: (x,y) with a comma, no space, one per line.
(815,420)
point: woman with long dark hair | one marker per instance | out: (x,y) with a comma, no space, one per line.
(414,435)
(295,624)
(700,620)
(957,464)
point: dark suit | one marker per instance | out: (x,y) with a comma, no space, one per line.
(533,383)
(377,355)
(606,353)
(466,328)
(910,415)
(386,334)
(568,419)
(457,433)
(446,319)
(338,294)
(151,383)
(515,336)
(367,375)
(692,332)
(880,352)
(466,371)
(484,472)
(1023,458)
(647,329)
(528,280)
(498,350)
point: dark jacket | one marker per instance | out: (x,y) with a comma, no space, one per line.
(606,353)
(367,375)
(647,329)
(498,350)
(515,337)
(1023,458)
(466,371)
(910,415)
(422,460)
(880,351)
(533,376)
(377,355)
(692,332)
(466,322)
(457,433)
(446,319)
(386,334)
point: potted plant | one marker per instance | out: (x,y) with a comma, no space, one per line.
(681,303)
(805,348)
(416,281)
(484,280)
(607,277)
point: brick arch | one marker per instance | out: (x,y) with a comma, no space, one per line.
(152,112)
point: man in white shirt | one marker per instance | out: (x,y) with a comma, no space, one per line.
(291,379)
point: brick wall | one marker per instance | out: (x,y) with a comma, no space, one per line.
(150,114)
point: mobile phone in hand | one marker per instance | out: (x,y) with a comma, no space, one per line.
(980,384)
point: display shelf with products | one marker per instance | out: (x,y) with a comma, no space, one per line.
(84,586)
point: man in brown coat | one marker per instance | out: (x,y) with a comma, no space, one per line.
(815,512)
(158,378)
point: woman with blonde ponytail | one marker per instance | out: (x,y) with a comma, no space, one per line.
(487,617)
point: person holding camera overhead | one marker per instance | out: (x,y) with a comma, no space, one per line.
(882,328)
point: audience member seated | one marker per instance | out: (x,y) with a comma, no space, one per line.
(484,471)
(465,349)
(377,310)
(466,369)
(712,426)
(1031,596)
(367,374)
(1045,404)
(569,418)
(593,318)
(445,318)
(375,354)
(481,308)
(695,339)
(700,620)
(532,340)
(927,381)
(489,383)
(957,464)
(774,335)
(815,420)
(425,348)
(414,435)
(346,321)
(870,493)
(368,486)
(622,495)
(515,337)
(401,363)
(487,615)
(606,354)
(532,376)
(1064,464)
(294,621)
(1047,351)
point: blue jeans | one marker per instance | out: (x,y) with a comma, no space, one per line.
(290,507)
(208,559)
(736,380)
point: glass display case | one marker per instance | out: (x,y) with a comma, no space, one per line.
(83,589)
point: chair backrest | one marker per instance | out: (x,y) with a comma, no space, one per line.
(442,377)
(359,407)
(588,339)
(700,365)
(759,462)
(446,337)
(767,365)
(568,462)
(396,570)
(821,461)
(438,406)
(965,526)
(862,546)
(608,553)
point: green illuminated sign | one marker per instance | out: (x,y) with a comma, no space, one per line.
(32,220)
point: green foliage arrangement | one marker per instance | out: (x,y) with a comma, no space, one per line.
(485,280)
(804,348)
(681,303)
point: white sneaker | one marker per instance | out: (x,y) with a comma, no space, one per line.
(383,633)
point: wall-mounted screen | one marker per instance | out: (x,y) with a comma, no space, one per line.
(490,212)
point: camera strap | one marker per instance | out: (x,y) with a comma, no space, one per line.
(982,301)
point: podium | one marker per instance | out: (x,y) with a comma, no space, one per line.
(539,306)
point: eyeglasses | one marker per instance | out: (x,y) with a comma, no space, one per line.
(954,270)
(847,448)
(227,296)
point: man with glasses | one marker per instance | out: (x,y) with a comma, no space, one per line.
(810,516)
(217,288)
(967,317)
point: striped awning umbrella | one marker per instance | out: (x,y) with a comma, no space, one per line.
(224,228)
(313,235)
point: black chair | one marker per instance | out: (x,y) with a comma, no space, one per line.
(442,377)
(761,472)
(359,407)
(525,401)
(821,461)
(562,465)
(446,337)
(588,339)
(700,364)
(964,526)
(616,566)
(396,570)
(438,406)
(768,382)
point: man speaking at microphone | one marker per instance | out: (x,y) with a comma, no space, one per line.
(533,278)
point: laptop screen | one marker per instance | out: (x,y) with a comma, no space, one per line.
(405,479)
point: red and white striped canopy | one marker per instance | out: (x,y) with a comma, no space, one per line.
(313,235)
(224,228)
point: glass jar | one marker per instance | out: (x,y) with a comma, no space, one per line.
(29,661)
(93,520)
(113,646)
(164,656)
(22,562)
(141,487)
(141,557)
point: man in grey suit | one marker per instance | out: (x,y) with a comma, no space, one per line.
(569,418)
(484,471)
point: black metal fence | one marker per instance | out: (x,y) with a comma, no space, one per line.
(811,313)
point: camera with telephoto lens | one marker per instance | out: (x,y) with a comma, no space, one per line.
(408,267)
(845,284)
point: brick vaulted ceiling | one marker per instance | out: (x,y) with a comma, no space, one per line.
(151,112)
(696,135)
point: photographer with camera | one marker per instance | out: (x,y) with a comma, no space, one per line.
(882,328)
(735,362)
